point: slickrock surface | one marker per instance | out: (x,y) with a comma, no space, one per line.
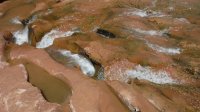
(87,94)
(99,56)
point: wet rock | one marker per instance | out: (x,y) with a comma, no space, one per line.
(76,60)
(49,37)
(105,33)
(37,30)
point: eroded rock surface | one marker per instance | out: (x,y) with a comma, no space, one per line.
(148,62)
(18,95)
(87,94)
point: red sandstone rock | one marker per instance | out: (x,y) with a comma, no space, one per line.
(87,94)
(17,95)
(132,97)
(115,55)
(150,98)
(117,70)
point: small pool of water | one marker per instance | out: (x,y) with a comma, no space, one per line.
(53,89)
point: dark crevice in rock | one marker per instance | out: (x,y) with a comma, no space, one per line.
(99,74)
(25,21)
(1,1)
(28,20)
(82,52)
(53,89)
(105,33)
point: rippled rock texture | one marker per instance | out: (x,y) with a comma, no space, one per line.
(99,56)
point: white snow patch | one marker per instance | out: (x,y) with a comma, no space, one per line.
(147,73)
(16,20)
(80,61)
(21,36)
(48,38)
(151,32)
(144,13)
(138,12)
(117,74)
(170,51)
